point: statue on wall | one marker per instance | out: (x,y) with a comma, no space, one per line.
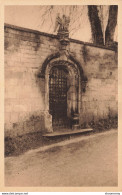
(62,27)
(62,23)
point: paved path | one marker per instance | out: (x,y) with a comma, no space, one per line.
(89,162)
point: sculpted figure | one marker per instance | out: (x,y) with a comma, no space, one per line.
(62,24)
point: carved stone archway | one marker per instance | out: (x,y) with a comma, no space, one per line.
(74,87)
(76,84)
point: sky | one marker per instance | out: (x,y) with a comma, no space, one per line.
(38,18)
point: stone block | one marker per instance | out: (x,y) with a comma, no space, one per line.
(11,92)
(28,126)
(48,121)
(14,117)
(22,116)
(7,117)
(39,124)
(8,107)
(22,108)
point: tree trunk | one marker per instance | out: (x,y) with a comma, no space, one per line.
(112,22)
(96,29)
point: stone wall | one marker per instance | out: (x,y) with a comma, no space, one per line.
(100,98)
(25,52)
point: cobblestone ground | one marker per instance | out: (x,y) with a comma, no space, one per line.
(91,162)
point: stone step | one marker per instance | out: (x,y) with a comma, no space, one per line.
(71,132)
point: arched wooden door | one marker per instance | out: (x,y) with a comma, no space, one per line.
(58,97)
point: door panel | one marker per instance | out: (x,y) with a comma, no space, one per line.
(58,97)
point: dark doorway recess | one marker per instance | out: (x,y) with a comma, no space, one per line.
(58,97)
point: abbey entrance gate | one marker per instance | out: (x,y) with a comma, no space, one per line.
(58,96)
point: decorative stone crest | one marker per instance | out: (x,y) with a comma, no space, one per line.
(62,24)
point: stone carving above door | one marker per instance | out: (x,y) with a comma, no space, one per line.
(62,24)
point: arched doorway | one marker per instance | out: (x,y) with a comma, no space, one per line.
(58,87)
(63,93)
(64,84)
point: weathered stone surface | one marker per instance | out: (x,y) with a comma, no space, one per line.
(25,52)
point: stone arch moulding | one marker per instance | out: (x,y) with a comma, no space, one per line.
(41,72)
(76,74)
